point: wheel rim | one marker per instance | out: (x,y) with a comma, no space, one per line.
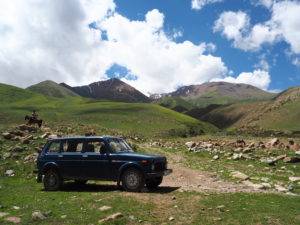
(132,180)
(52,180)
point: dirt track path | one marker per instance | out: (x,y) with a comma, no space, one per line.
(191,179)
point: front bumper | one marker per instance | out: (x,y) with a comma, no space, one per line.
(159,174)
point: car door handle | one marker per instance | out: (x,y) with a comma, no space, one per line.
(84,156)
(60,156)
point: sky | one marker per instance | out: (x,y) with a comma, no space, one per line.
(156,46)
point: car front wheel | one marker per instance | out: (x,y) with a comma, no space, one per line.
(133,180)
(52,180)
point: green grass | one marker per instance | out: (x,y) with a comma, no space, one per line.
(141,119)
(52,89)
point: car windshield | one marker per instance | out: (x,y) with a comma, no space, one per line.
(119,145)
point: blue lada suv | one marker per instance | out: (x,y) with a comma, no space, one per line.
(98,158)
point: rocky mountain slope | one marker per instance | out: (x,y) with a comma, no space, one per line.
(220,93)
(50,88)
(112,89)
(283,112)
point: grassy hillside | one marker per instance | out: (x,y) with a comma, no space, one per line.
(282,113)
(130,118)
(175,103)
(52,89)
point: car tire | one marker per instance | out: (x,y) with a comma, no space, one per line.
(80,182)
(52,180)
(154,182)
(133,180)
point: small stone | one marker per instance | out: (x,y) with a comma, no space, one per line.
(63,216)
(17,149)
(131,217)
(38,214)
(10,173)
(171,218)
(190,144)
(16,207)
(291,159)
(6,155)
(105,208)
(297,152)
(216,157)
(255,186)
(7,135)
(280,188)
(111,217)
(173,197)
(240,175)
(294,179)
(2,214)
(13,219)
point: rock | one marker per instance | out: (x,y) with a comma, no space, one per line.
(39,215)
(297,152)
(2,214)
(31,158)
(240,175)
(105,208)
(17,149)
(16,207)
(7,135)
(281,188)
(252,145)
(247,150)
(10,173)
(294,179)
(266,185)
(273,142)
(111,217)
(171,218)
(291,159)
(45,135)
(237,156)
(6,155)
(279,157)
(270,162)
(190,144)
(173,198)
(240,143)
(29,128)
(13,219)
(216,157)
(255,186)
(52,136)
(63,216)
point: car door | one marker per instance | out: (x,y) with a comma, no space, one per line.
(70,159)
(96,161)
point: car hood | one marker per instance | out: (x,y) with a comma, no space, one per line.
(134,155)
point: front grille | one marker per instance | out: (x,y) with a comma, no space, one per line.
(160,166)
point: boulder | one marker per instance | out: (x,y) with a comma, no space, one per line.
(39,215)
(105,208)
(255,186)
(291,159)
(17,148)
(7,136)
(190,144)
(13,219)
(111,217)
(6,155)
(297,152)
(294,179)
(10,173)
(240,175)
(273,142)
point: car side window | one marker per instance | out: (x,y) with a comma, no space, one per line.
(95,146)
(54,147)
(74,146)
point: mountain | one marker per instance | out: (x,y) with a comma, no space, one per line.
(282,112)
(112,89)
(106,117)
(220,93)
(52,89)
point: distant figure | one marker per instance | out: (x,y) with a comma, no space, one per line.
(33,119)
(34,115)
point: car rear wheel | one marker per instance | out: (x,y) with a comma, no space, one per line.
(154,182)
(133,180)
(52,180)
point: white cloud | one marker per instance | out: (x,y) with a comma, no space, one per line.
(50,39)
(199,4)
(258,78)
(284,25)
(296,61)
(266,3)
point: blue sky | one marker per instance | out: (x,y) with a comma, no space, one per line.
(155,46)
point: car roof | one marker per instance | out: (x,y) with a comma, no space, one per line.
(83,137)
